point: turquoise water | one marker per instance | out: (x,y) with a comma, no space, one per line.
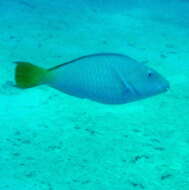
(52,141)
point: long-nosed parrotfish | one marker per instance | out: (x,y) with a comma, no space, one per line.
(106,78)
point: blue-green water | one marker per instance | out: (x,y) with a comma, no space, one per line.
(52,141)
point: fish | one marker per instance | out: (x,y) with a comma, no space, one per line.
(107,78)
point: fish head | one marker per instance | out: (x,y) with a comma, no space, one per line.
(146,82)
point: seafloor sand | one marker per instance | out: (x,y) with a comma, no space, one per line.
(51,141)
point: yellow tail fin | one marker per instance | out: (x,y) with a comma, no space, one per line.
(28,75)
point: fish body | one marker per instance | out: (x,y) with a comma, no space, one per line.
(106,78)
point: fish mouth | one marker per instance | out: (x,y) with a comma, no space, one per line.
(166,86)
(163,88)
(166,89)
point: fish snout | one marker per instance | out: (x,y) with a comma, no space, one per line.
(165,85)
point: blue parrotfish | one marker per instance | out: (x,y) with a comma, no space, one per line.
(108,78)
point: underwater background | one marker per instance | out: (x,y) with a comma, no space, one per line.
(53,141)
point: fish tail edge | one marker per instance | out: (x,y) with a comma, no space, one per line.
(28,75)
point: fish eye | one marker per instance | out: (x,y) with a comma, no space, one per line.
(150,73)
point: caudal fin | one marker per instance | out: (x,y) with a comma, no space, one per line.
(28,75)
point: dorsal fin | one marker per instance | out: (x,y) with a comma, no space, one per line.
(83,57)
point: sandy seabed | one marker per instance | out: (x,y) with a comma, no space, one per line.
(52,141)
